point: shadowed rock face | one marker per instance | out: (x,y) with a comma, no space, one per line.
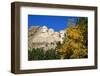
(42,37)
(31,33)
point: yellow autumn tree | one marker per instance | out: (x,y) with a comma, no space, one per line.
(75,42)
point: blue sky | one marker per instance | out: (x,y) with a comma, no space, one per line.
(56,22)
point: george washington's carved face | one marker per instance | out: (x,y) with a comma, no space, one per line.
(44,29)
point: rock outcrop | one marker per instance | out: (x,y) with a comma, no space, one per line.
(42,37)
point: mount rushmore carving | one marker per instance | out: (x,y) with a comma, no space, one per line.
(44,37)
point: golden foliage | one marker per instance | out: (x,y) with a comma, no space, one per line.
(75,42)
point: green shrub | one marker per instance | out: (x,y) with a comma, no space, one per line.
(40,54)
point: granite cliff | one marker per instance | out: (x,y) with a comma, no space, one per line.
(44,37)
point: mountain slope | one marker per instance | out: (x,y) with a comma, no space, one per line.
(42,37)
